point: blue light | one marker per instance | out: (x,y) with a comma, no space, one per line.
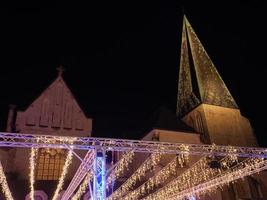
(99,179)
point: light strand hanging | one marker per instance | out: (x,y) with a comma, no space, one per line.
(32,170)
(243,170)
(148,164)
(122,164)
(4,184)
(63,175)
(83,186)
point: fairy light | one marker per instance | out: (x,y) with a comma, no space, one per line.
(192,178)
(245,169)
(83,186)
(149,164)
(32,169)
(4,184)
(65,168)
(162,175)
(122,164)
(155,181)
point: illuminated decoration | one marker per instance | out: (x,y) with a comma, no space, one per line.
(83,186)
(99,177)
(210,88)
(246,169)
(89,143)
(149,164)
(62,177)
(120,167)
(155,181)
(199,172)
(32,170)
(161,176)
(4,184)
(83,169)
(203,168)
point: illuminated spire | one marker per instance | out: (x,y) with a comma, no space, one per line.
(209,87)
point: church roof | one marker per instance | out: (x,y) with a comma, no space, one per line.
(53,84)
(199,81)
(164,118)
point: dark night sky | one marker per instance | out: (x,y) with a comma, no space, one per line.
(121,57)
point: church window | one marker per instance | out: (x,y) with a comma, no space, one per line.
(59,91)
(56,117)
(31,117)
(67,115)
(79,122)
(50,164)
(44,113)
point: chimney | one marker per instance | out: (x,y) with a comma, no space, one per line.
(10,119)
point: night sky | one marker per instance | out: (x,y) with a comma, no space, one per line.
(122,57)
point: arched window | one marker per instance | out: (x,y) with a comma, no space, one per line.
(50,164)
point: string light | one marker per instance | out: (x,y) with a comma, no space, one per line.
(122,164)
(149,164)
(83,186)
(154,181)
(244,169)
(162,175)
(32,169)
(4,184)
(63,174)
(192,177)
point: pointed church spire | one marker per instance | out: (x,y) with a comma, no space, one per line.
(186,100)
(209,84)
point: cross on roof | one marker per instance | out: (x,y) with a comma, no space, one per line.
(60,70)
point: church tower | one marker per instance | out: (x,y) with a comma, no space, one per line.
(204,102)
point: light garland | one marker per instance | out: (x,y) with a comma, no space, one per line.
(83,186)
(155,181)
(4,184)
(185,180)
(149,164)
(32,169)
(122,164)
(63,174)
(162,175)
(244,169)
(198,173)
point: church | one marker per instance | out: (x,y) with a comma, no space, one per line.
(206,114)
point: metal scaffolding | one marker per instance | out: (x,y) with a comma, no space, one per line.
(108,144)
(95,159)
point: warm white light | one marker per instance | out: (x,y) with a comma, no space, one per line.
(32,169)
(63,175)
(83,186)
(4,184)
(122,164)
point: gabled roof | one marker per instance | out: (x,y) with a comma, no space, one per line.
(52,87)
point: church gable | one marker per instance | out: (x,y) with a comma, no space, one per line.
(55,109)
